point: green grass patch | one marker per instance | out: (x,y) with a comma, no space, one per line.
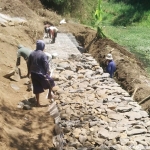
(135,38)
(126,22)
(129,26)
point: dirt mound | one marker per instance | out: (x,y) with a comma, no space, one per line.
(21,129)
(16,8)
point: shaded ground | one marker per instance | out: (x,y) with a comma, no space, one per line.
(32,129)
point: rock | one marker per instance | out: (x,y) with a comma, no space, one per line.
(123,141)
(26,107)
(133,115)
(136,131)
(115,116)
(77,132)
(103,133)
(14,86)
(64,65)
(3,24)
(82,139)
(69,148)
(124,109)
(11,23)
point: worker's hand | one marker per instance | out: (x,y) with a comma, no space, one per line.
(18,61)
(16,69)
(48,72)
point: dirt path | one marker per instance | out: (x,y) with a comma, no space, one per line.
(24,129)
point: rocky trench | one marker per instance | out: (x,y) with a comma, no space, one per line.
(92,111)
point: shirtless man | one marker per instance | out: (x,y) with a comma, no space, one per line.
(46,30)
(53,33)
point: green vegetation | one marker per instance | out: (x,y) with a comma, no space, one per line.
(135,38)
(131,25)
(98,19)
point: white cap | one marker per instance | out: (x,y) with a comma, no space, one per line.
(109,57)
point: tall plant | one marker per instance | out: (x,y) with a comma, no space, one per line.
(58,2)
(98,18)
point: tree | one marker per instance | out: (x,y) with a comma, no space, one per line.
(98,17)
(57,2)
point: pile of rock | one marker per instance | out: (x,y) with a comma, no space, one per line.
(6,20)
(96,113)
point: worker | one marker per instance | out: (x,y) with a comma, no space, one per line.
(38,67)
(53,33)
(110,65)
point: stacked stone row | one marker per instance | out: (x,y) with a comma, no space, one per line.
(96,113)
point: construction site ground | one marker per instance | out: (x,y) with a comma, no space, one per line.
(32,129)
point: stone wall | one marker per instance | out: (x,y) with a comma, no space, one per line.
(92,112)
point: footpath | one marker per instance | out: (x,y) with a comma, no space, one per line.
(91,111)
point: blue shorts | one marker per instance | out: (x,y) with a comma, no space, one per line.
(40,82)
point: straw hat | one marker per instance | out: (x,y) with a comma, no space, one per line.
(109,57)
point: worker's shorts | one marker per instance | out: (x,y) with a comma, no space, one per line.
(41,82)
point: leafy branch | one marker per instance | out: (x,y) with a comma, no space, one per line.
(98,18)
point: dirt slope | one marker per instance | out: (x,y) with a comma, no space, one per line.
(32,129)
(21,129)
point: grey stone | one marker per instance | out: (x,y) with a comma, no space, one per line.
(27,107)
(115,116)
(124,109)
(133,115)
(124,141)
(104,147)
(138,147)
(69,148)
(103,133)
(82,138)
(136,131)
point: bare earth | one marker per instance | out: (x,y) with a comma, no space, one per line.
(33,129)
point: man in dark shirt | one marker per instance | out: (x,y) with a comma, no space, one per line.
(38,67)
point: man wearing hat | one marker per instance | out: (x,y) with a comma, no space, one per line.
(111,66)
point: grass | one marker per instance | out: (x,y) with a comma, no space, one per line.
(131,25)
(125,23)
(135,38)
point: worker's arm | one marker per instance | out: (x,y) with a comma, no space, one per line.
(18,58)
(46,64)
(18,61)
(28,66)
